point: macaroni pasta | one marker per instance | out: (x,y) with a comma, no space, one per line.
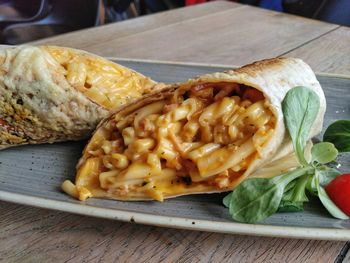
(106,83)
(202,136)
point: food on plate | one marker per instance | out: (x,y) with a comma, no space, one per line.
(51,94)
(338,133)
(255,199)
(339,191)
(205,135)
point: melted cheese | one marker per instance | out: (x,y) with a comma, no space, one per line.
(189,143)
(104,82)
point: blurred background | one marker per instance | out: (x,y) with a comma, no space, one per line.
(27,20)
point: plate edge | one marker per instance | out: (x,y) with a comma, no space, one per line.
(180,223)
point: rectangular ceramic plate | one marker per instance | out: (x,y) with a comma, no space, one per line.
(32,175)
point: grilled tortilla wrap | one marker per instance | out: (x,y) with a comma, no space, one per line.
(51,94)
(202,136)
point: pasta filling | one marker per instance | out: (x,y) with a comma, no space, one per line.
(106,83)
(202,137)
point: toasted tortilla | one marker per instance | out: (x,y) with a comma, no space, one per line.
(51,94)
(272,77)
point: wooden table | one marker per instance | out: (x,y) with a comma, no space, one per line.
(219,33)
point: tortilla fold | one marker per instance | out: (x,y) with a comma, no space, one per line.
(51,94)
(204,135)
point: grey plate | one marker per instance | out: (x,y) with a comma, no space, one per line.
(32,175)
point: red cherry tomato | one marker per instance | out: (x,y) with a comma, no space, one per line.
(339,191)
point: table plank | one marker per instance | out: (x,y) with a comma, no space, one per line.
(113,32)
(329,53)
(38,235)
(233,37)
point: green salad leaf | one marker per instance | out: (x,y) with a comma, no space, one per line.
(258,198)
(293,200)
(300,108)
(325,176)
(338,133)
(227,199)
(323,152)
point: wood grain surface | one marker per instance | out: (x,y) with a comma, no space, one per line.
(37,235)
(114,32)
(232,36)
(328,53)
(217,32)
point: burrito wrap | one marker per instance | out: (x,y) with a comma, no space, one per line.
(272,77)
(51,94)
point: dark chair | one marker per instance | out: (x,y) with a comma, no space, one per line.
(337,12)
(144,7)
(22,10)
(333,11)
(53,17)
